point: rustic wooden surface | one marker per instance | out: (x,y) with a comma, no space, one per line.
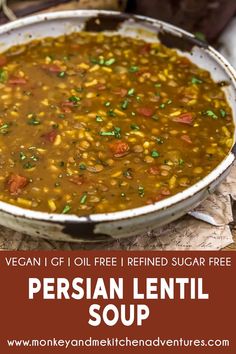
(20,7)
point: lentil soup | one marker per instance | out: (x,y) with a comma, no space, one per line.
(91,123)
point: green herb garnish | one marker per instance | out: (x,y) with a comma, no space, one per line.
(82,166)
(116,132)
(4,128)
(110,61)
(155,153)
(61,74)
(66,209)
(61,115)
(162,105)
(196,81)
(124,104)
(99,118)
(3,76)
(223,113)
(157,85)
(128,173)
(141,191)
(134,126)
(83,198)
(111,113)
(181,162)
(34,121)
(160,140)
(22,156)
(133,69)
(28,165)
(107,103)
(74,99)
(131,92)
(211,114)
(34,158)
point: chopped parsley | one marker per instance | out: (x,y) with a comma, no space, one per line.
(133,69)
(66,209)
(111,113)
(3,76)
(110,61)
(157,84)
(61,74)
(211,114)
(28,165)
(101,61)
(128,173)
(159,140)
(83,198)
(134,126)
(124,104)
(34,120)
(223,113)
(22,156)
(141,191)
(162,105)
(99,118)
(155,153)
(34,158)
(196,81)
(181,162)
(131,92)
(74,99)
(116,132)
(107,103)
(82,166)
(4,128)
(61,115)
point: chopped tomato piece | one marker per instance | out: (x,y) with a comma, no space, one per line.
(145,48)
(119,148)
(101,87)
(185,118)
(183,62)
(120,91)
(77,179)
(3,60)
(50,137)
(16,184)
(146,111)
(66,106)
(17,81)
(165,191)
(53,68)
(186,138)
(154,170)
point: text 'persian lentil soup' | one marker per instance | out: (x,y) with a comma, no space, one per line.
(96,123)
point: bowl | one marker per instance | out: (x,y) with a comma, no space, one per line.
(115,225)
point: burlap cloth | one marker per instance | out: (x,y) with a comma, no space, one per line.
(209,227)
